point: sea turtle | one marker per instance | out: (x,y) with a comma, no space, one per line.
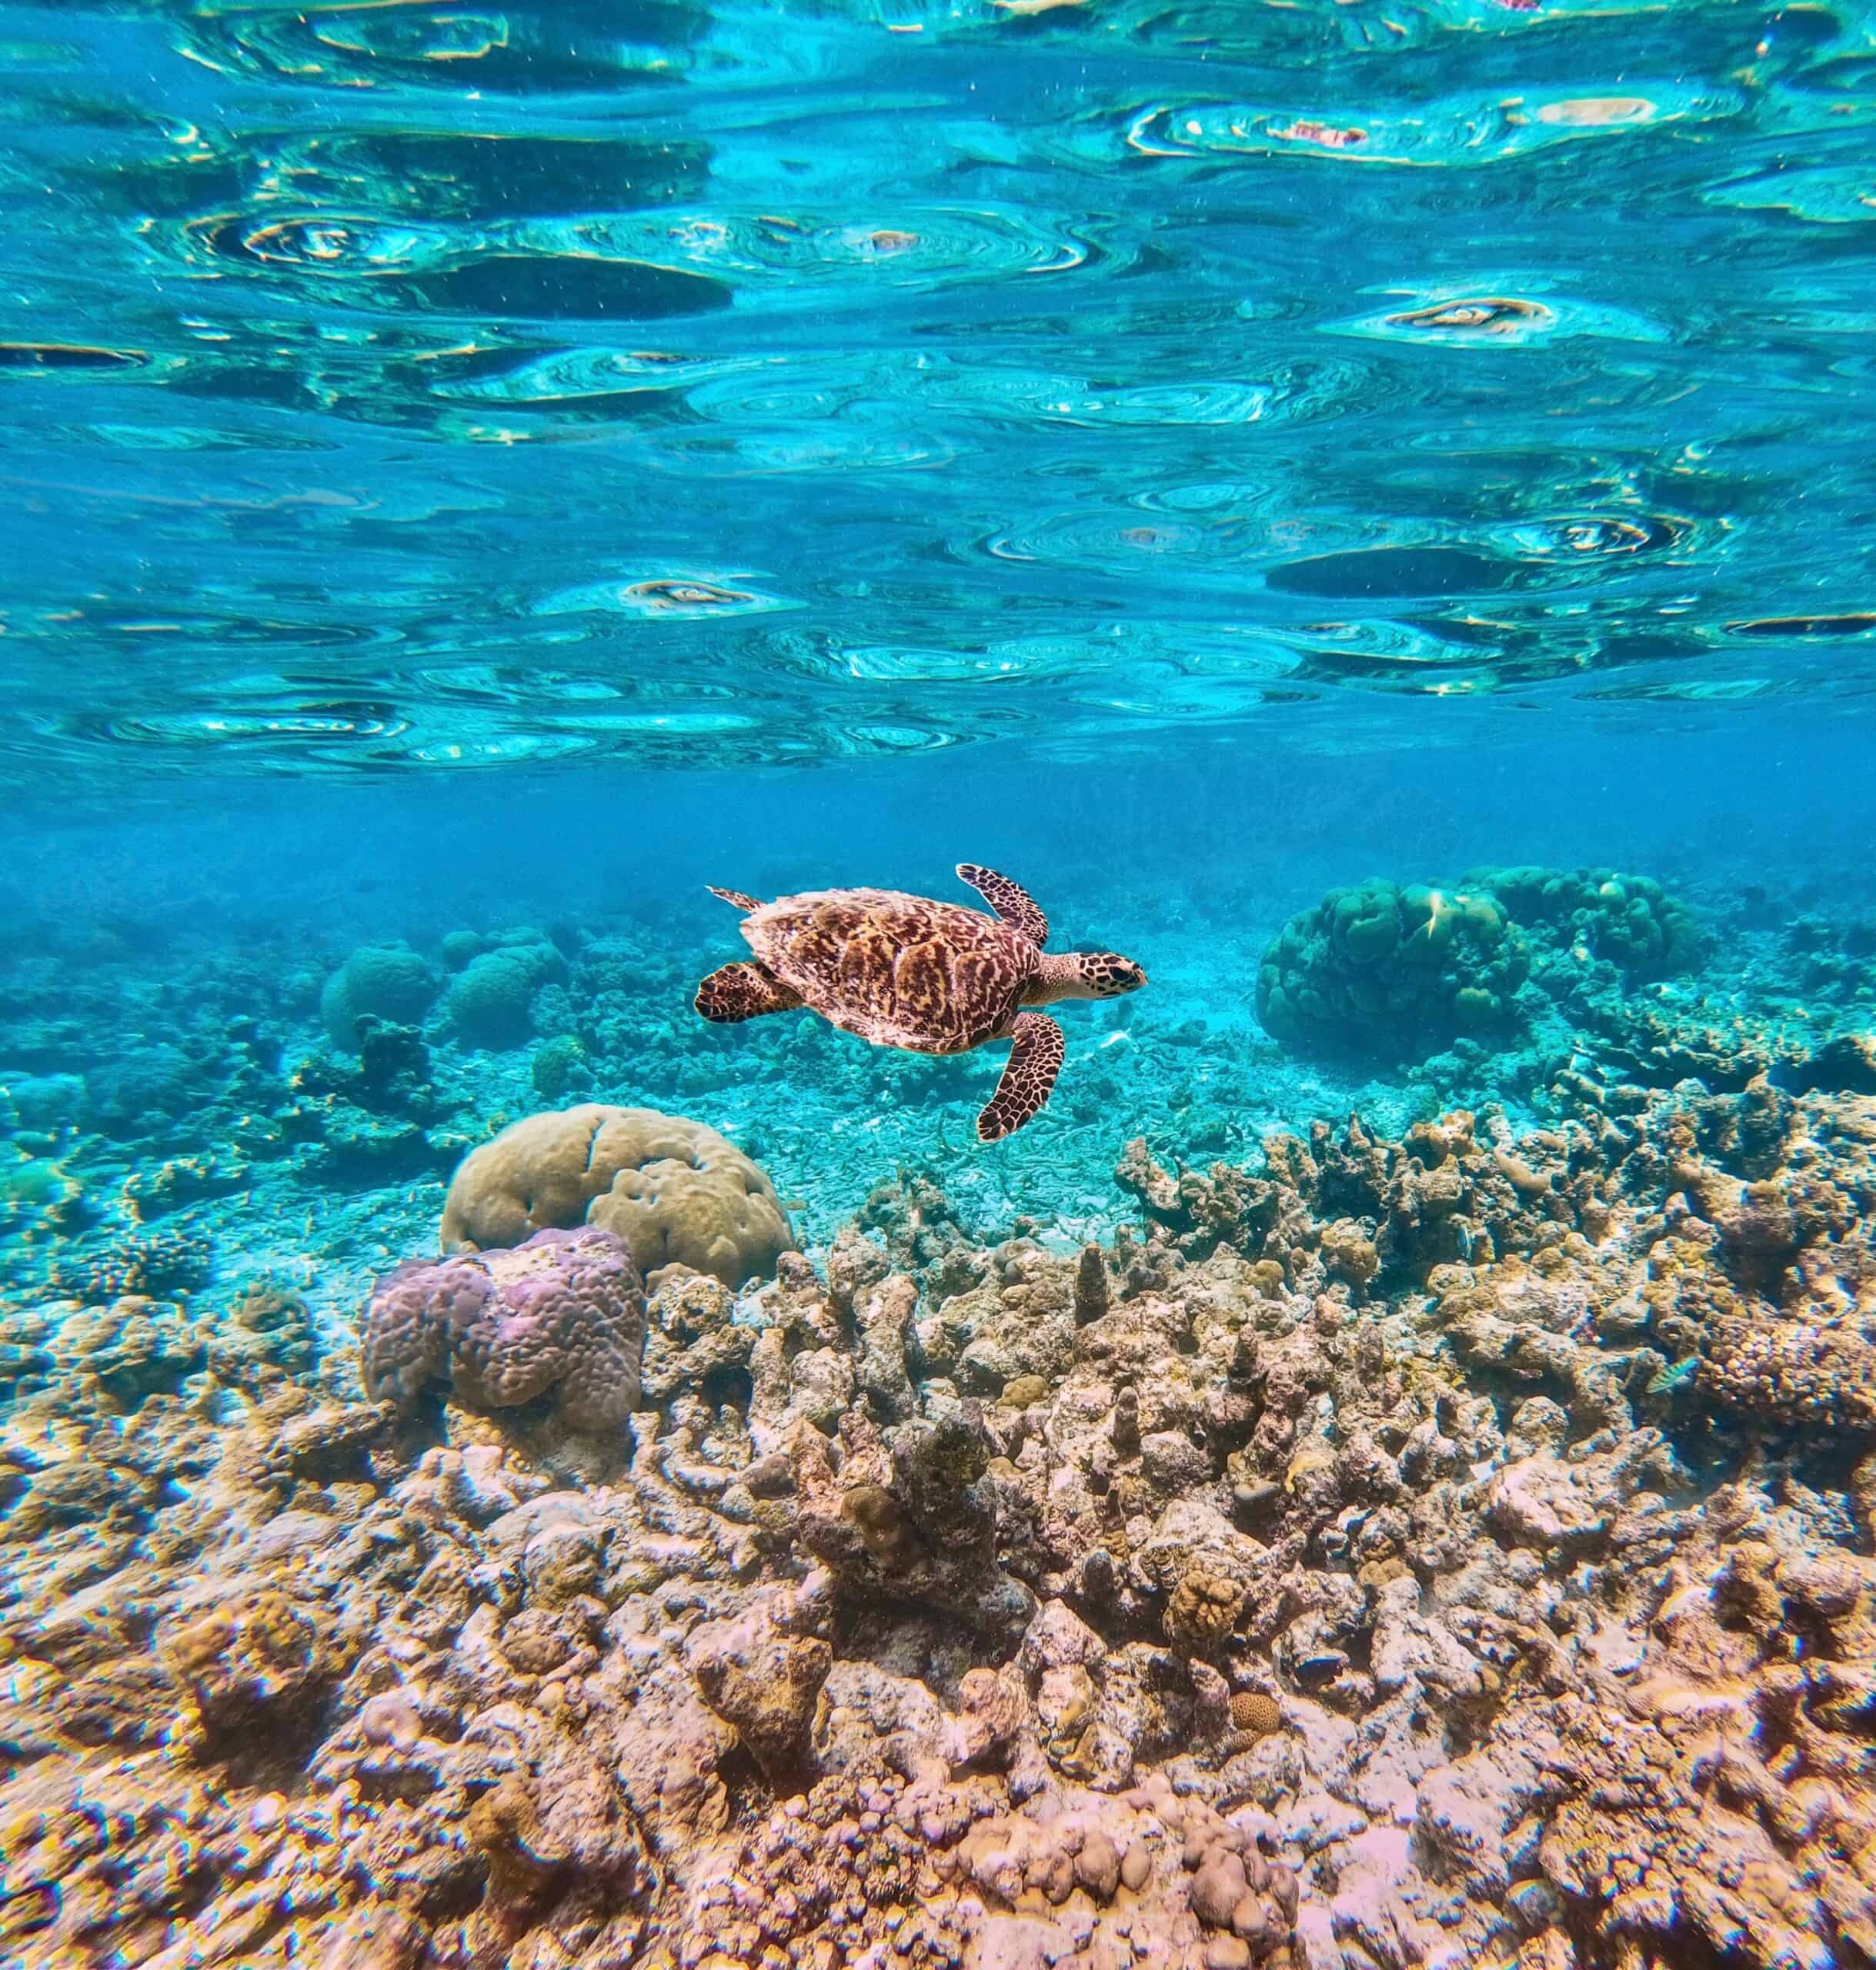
(929,977)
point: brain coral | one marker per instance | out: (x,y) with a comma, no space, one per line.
(564,1311)
(1379,966)
(1630,920)
(682,1197)
(389,981)
(491,998)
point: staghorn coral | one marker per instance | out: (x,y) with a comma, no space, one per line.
(564,1312)
(680,1195)
(1379,968)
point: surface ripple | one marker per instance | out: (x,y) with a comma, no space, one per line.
(422,387)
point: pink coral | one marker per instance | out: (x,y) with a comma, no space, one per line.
(564,1311)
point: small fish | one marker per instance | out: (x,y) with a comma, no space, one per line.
(1666,1380)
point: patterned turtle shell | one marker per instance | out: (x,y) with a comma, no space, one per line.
(898,970)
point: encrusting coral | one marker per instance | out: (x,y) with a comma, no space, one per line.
(682,1197)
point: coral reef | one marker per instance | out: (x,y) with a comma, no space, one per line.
(1445,1546)
(681,1196)
(1380,966)
(563,1312)
(1441,1538)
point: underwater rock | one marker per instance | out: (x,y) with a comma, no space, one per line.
(265,1335)
(564,1313)
(1392,971)
(911,1517)
(682,1197)
(764,1679)
(39,1195)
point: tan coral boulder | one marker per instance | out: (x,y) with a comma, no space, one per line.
(681,1197)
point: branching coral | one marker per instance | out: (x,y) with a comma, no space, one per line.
(171,1258)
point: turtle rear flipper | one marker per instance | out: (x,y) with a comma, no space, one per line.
(743,991)
(1010,900)
(1035,1056)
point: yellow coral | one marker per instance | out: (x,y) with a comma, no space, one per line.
(681,1197)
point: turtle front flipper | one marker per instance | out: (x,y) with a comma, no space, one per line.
(747,904)
(1035,1054)
(743,991)
(1010,900)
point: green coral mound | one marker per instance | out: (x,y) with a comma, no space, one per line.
(1630,921)
(490,1000)
(1381,968)
(382,981)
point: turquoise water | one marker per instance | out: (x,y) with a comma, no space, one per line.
(467,467)
(409,387)
(473,476)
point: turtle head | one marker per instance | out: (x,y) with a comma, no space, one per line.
(1106,974)
(1087,975)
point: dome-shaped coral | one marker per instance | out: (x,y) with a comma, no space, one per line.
(389,981)
(682,1197)
(1379,966)
(491,998)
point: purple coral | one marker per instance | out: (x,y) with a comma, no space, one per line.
(564,1311)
